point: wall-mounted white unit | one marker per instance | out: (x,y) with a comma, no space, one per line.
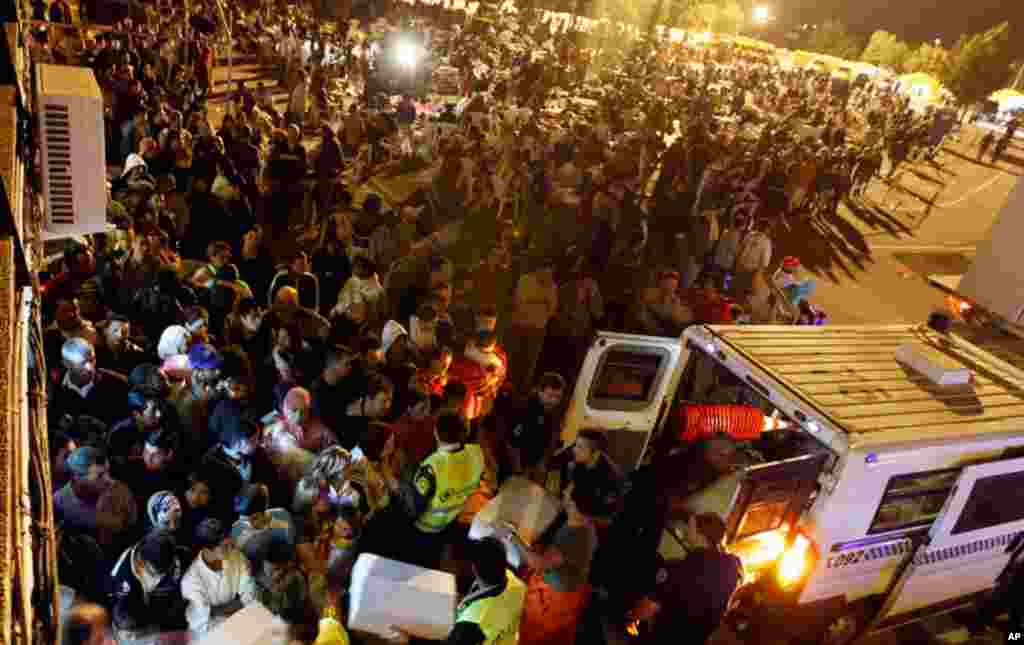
(74,166)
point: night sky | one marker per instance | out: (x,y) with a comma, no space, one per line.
(914,20)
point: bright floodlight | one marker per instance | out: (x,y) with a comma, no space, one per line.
(407,54)
(762,14)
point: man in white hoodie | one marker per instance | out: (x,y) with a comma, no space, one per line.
(218,583)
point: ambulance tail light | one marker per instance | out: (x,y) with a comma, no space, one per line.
(796,563)
(761,552)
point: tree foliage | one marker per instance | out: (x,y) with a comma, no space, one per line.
(722,16)
(1016,77)
(886,50)
(979,64)
(834,39)
(930,59)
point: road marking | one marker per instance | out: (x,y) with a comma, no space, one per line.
(977,189)
(925,248)
(974,190)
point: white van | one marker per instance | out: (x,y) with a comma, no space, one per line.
(893,499)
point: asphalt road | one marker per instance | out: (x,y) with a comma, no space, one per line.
(871,262)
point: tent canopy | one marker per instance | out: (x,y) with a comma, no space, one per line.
(921,86)
(1008,99)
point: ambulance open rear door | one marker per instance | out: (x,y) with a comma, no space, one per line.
(625,388)
(966,546)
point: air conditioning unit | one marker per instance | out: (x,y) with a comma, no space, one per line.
(70,109)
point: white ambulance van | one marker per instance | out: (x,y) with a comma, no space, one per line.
(893,495)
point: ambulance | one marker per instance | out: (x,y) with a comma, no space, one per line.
(894,492)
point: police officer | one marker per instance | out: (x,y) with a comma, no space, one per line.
(439,490)
(491,611)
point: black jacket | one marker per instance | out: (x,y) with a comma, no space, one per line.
(226,481)
(163,609)
(107,400)
(695,595)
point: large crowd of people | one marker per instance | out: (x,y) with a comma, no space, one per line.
(339,327)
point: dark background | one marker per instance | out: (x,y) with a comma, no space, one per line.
(911,20)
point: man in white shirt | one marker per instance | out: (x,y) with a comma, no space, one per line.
(755,254)
(728,246)
(218,583)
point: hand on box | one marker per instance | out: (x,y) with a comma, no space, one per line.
(398,636)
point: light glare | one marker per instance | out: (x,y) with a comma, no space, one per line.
(795,562)
(407,54)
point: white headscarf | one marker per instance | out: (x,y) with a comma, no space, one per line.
(392,330)
(133,160)
(173,342)
(368,290)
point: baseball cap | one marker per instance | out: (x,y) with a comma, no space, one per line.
(158,549)
(204,356)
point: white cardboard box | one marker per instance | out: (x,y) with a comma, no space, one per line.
(386,593)
(252,625)
(717,498)
(524,505)
(940,369)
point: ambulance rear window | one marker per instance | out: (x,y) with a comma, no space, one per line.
(913,500)
(627,376)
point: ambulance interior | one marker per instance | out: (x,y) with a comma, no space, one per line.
(706,381)
(777,476)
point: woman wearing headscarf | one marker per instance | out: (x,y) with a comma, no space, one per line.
(295,433)
(163,510)
(324,480)
(174,341)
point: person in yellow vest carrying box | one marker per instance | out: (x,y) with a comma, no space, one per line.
(439,490)
(491,611)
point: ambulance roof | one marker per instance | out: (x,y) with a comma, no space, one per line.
(850,375)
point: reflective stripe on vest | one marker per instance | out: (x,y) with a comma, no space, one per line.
(497,616)
(457,476)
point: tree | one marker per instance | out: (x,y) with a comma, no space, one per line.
(722,16)
(886,50)
(678,11)
(930,59)
(833,39)
(1016,77)
(979,64)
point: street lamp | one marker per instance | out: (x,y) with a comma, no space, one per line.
(761,15)
(407,54)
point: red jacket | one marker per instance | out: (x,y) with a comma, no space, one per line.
(481,385)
